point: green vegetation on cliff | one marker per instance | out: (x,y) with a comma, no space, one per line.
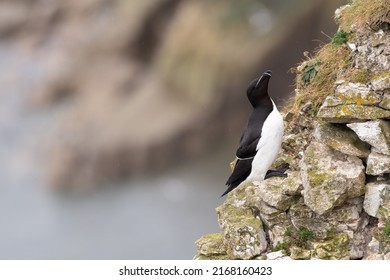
(316,76)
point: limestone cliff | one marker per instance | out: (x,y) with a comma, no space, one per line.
(335,202)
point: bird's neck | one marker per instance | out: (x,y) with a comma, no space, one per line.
(264,101)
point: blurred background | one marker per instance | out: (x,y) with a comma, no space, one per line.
(118,118)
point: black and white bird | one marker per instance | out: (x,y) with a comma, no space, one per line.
(261,139)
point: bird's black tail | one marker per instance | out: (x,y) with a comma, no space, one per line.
(229,189)
(240,173)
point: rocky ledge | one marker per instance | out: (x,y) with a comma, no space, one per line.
(335,202)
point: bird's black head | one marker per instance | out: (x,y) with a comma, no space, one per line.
(257,91)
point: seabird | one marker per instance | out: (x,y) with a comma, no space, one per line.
(261,139)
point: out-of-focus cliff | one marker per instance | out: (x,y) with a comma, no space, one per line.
(140,85)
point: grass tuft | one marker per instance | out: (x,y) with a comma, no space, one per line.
(362,14)
(340,38)
(305,235)
(317,76)
(293,237)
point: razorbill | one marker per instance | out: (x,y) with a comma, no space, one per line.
(261,139)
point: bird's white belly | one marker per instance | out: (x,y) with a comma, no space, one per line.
(268,146)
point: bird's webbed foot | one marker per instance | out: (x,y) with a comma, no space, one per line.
(276,173)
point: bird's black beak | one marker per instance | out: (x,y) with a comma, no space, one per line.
(266,75)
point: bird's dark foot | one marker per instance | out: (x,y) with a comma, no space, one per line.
(276,173)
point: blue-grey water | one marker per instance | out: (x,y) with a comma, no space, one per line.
(156,217)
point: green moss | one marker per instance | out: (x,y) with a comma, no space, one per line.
(383,236)
(314,111)
(239,194)
(352,112)
(211,244)
(300,254)
(305,235)
(336,247)
(284,247)
(294,238)
(381,75)
(287,232)
(240,227)
(238,216)
(340,38)
(215,237)
(382,213)
(317,178)
(386,229)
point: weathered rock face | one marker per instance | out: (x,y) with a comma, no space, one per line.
(341,139)
(355,102)
(211,246)
(335,202)
(376,200)
(377,134)
(330,177)
(242,229)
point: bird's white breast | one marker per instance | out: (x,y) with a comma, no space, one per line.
(268,146)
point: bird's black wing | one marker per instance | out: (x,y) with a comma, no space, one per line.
(247,149)
(252,133)
(248,144)
(241,171)
(245,154)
